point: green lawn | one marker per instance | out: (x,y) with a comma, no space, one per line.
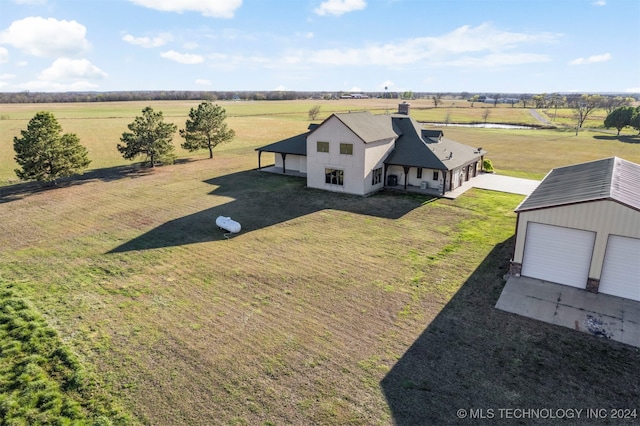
(325,309)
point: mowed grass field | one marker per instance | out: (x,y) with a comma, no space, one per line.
(325,309)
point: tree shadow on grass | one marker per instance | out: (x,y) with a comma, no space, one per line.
(19,191)
(473,356)
(260,200)
(621,138)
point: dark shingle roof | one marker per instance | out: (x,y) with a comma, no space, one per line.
(607,179)
(294,145)
(418,147)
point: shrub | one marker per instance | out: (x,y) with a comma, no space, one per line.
(487,165)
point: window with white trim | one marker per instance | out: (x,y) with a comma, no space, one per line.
(346,148)
(376,176)
(322,146)
(334,176)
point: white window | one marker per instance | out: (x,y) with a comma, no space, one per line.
(323,146)
(376,176)
(346,148)
(334,176)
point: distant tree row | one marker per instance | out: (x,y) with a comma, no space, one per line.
(44,154)
(622,117)
(543,100)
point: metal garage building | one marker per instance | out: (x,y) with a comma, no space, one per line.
(581,227)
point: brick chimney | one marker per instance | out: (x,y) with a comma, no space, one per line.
(403,108)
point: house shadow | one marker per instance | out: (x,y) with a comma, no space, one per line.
(479,360)
(621,138)
(259,200)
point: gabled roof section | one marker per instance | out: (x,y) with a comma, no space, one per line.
(368,127)
(418,147)
(607,179)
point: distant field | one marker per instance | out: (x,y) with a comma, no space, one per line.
(325,309)
(100,125)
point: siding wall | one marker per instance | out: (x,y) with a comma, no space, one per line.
(603,217)
(292,162)
(357,167)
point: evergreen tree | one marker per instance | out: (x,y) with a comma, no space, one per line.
(45,154)
(206,128)
(150,137)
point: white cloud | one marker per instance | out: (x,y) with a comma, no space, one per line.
(148,42)
(182,58)
(71,70)
(203,82)
(7,76)
(50,37)
(599,3)
(4,55)
(448,47)
(591,59)
(355,89)
(339,7)
(499,60)
(280,88)
(633,90)
(55,86)
(212,8)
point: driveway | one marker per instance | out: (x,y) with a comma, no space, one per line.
(495,182)
(601,315)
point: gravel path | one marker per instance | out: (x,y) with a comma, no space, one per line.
(540,118)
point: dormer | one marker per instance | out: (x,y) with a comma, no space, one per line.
(432,136)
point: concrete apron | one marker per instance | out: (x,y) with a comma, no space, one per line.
(601,315)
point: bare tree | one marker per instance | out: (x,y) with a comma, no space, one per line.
(313,113)
(583,106)
(486,114)
(436,99)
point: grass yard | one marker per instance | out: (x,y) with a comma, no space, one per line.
(325,309)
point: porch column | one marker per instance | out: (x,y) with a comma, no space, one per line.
(284,157)
(259,155)
(406,175)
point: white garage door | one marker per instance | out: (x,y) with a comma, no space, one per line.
(557,254)
(621,268)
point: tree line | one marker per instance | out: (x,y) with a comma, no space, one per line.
(542,100)
(45,154)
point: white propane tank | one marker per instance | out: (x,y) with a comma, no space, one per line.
(228,224)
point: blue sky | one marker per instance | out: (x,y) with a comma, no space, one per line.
(496,46)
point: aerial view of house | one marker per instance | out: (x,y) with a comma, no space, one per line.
(362,153)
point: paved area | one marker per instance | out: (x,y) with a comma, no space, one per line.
(496,182)
(601,315)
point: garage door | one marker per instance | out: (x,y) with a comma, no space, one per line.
(557,254)
(621,268)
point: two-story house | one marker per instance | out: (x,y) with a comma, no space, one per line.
(361,153)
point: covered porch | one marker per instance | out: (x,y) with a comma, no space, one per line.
(280,171)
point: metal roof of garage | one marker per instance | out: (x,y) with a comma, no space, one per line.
(607,179)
